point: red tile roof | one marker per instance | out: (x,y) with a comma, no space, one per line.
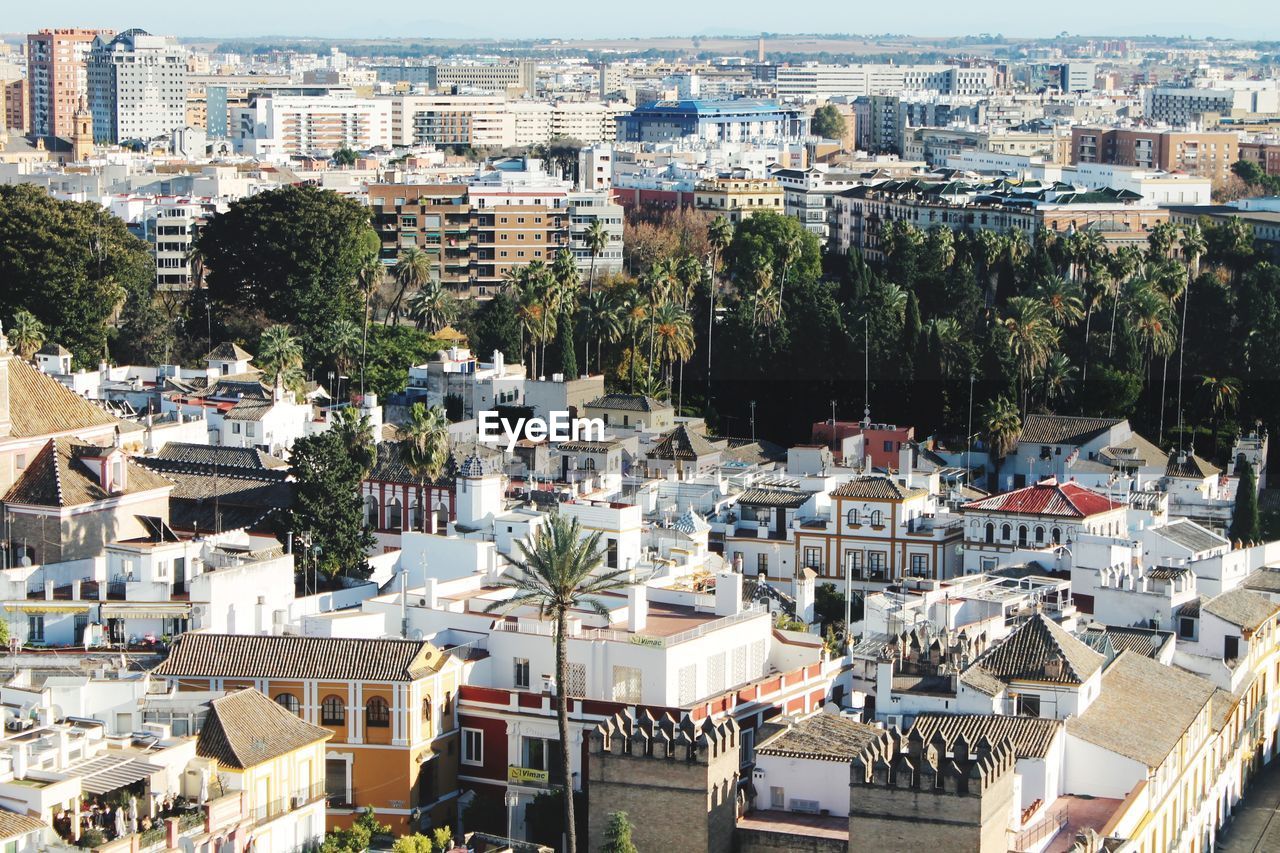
(1048,497)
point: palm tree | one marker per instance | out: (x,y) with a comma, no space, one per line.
(425,449)
(432,307)
(412,271)
(1062,301)
(1122,264)
(280,357)
(558,573)
(26,334)
(357,436)
(1056,378)
(673,328)
(368,277)
(1223,393)
(1002,424)
(719,236)
(788,254)
(1031,337)
(1193,247)
(601,320)
(1160,239)
(635,310)
(344,342)
(597,240)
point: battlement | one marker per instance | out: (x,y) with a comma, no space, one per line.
(665,737)
(939,765)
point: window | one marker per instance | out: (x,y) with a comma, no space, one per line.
(395,514)
(762,564)
(1186,628)
(288,701)
(1006,532)
(1230,648)
(1022,536)
(577,677)
(626,684)
(777,798)
(522,673)
(687,681)
(991,532)
(472,746)
(376,713)
(920,565)
(35,629)
(813,558)
(853,517)
(332,711)
(877,518)
(1026,705)
(875,561)
(1039,536)
(747,753)
(371,511)
(538,753)
(336,781)
(611,553)
(853,562)
(888,447)
(426,714)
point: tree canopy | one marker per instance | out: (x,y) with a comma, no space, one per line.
(828,122)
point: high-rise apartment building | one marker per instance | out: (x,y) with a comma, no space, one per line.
(137,86)
(307,121)
(57,76)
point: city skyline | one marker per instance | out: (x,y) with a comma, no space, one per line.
(576,20)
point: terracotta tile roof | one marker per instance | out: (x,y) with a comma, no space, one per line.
(249,410)
(630,402)
(58,477)
(1143,710)
(773,497)
(1247,610)
(206,457)
(294,658)
(979,679)
(227,351)
(1031,736)
(870,488)
(1061,429)
(1026,654)
(1191,467)
(1135,450)
(826,737)
(40,405)
(1048,497)
(683,444)
(13,825)
(245,729)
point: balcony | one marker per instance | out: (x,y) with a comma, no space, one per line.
(283,805)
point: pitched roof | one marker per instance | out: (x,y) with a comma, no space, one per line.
(977,678)
(825,737)
(13,825)
(1025,654)
(40,405)
(1190,535)
(1063,429)
(245,729)
(249,410)
(1143,709)
(323,658)
(872,488)
(682,443)
(1048,497)
(227,351)
(1190,466)
(773,497)
(629,402)
(1031,736)
(1135,450)
(1240,607)
(54,349)
(1265,579)
(1147,642)
(206,457)
(58,477)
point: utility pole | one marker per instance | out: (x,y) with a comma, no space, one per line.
(753,420)
(968,441)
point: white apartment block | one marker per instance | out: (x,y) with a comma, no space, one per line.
(493,121)
(137,86)
(276,125)
(823,82)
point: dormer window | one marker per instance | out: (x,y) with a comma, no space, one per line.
(117,475)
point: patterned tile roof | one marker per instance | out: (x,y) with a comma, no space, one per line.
(1026,654)
(629,402)
(1242,608)
(1143,710)
(1048,497)
(773,497)
(58,477)
(1062,429)
(14,825)
(1191,467)
(1135,450)
(691,523)
(294,658)
(825,737)
(979,679)
(1031,736)
(876,488)
(245,729)
(227,351)
(206,457)
(40,405)
(683,444)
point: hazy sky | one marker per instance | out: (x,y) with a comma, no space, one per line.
(1256,19)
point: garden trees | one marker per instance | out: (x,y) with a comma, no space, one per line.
(327,507)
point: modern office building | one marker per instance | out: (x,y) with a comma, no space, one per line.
(137,86)
(57,76)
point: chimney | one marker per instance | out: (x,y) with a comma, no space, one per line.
(430,593)
(906,464)
(498,362)
(728,594)
(637,608)
(20,761)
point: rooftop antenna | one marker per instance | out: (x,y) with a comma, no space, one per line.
(866,373)
(834,444)
(753,420)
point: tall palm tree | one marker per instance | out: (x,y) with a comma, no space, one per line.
(1124,263)
(1160,239)
(26,335)
(412,271)
(344,342)
(368,277)
(357,436)
(432,307)
(635,312)
(1001,425)
(280,356)
(1031,337)
(673,329)
(1223,393)
(557,573)
(597,240)
(1056,378)
(1193,247)
(1062,301)
(689,274)
(602,321)
(788,254)
(719,237)
(425,449)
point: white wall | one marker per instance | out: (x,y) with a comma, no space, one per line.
(1092,770)
(827,782)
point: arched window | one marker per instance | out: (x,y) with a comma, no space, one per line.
(588,464)
(288,701)
(1039,535)
(876,518)
(415,514)
(395,514)
(332,711)
(371,511)
(376,713)
(853,516)
(442,515)
(1056,534)
(1022,535)
(448,704)
(1006,533)
(426,709)
(991,532)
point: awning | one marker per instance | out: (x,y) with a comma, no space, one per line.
(157,610)
(45,606)
(108,773)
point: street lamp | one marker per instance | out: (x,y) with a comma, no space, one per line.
(511,799)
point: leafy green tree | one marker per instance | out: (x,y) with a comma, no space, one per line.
(327,507)
(344,157)
(356,839)
(293,253)
(416,843)
(442,839)
(560,571)
(1245,524)
(828,122)
(72,265)
(617,835)
(771,240)
(494,325)
(392,351)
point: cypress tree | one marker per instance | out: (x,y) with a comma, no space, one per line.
(1245,525)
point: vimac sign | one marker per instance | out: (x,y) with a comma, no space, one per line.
(561,426)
